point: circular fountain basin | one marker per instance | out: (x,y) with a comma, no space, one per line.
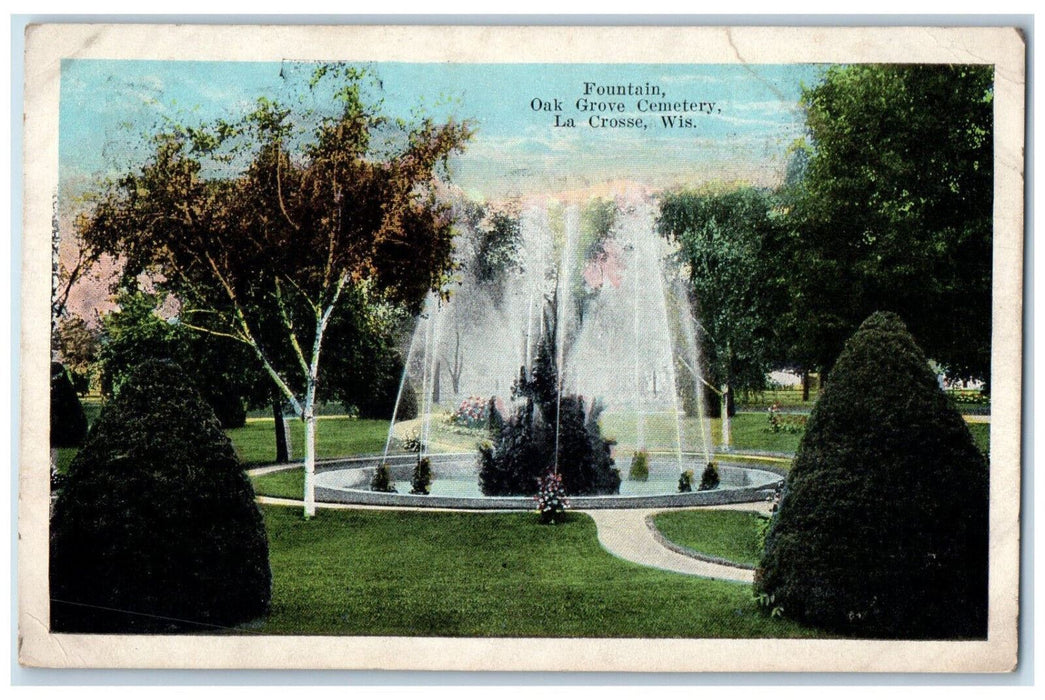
(455,484)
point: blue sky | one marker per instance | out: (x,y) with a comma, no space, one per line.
(106,106)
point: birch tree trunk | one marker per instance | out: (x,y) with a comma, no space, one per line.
(309,417)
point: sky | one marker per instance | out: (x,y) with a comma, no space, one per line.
(742,119)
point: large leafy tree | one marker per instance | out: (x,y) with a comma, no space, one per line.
(225,372)
(894,211)
(261,226)
(725,240)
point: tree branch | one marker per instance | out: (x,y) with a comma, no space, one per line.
(289,325)
(279,187)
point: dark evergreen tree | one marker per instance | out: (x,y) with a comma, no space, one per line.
(709,478)
(156,528)
(421,481)
(526,446)
(68,421)
(883,526)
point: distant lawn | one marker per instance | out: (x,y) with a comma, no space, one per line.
(784,398)
(255,442)
(358,572)
(728,534)
(749,431)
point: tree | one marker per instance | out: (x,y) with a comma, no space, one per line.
(367,369)
(155,528)
(549,433)
(894,211)
(68,421)
(250,223)
(725,241)
(882,530)
(494,245)
(228,377)
(78,347)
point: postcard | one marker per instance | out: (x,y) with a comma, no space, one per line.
(573,348)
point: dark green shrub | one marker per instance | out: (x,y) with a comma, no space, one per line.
(494,419)
(686,481)
(68,421)
(882,528)
(422,479)
(156,529)
(709,479)
(639,470)
(382,480)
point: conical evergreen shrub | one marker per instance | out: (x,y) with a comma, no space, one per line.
(156,528)
(68,421)
(882,530)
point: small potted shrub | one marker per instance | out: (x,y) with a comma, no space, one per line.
(639,466)
(382,480)
(686,481)
(709,479)
(422,480)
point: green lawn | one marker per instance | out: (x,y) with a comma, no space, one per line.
(749,431)
(981,434)
(285,484)
(728,534)
(465,574)
(785,398)
(255,442)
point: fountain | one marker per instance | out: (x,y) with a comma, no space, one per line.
(596,283)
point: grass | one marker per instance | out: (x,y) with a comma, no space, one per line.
(728,534)
(463,574)
(289,483)
(981,435)
(785,398)
(749,431)
(338,436)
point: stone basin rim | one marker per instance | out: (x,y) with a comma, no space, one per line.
(766,479)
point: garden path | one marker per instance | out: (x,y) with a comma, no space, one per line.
(625,534)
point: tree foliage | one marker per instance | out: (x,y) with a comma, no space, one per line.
(882,530)
(155,528)
(225,372)
(68,421)
(726,241)
(493,243)
(261,226)
(365,370)
(78,346)
(892,210)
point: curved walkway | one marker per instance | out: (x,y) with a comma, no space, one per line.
(625,534)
